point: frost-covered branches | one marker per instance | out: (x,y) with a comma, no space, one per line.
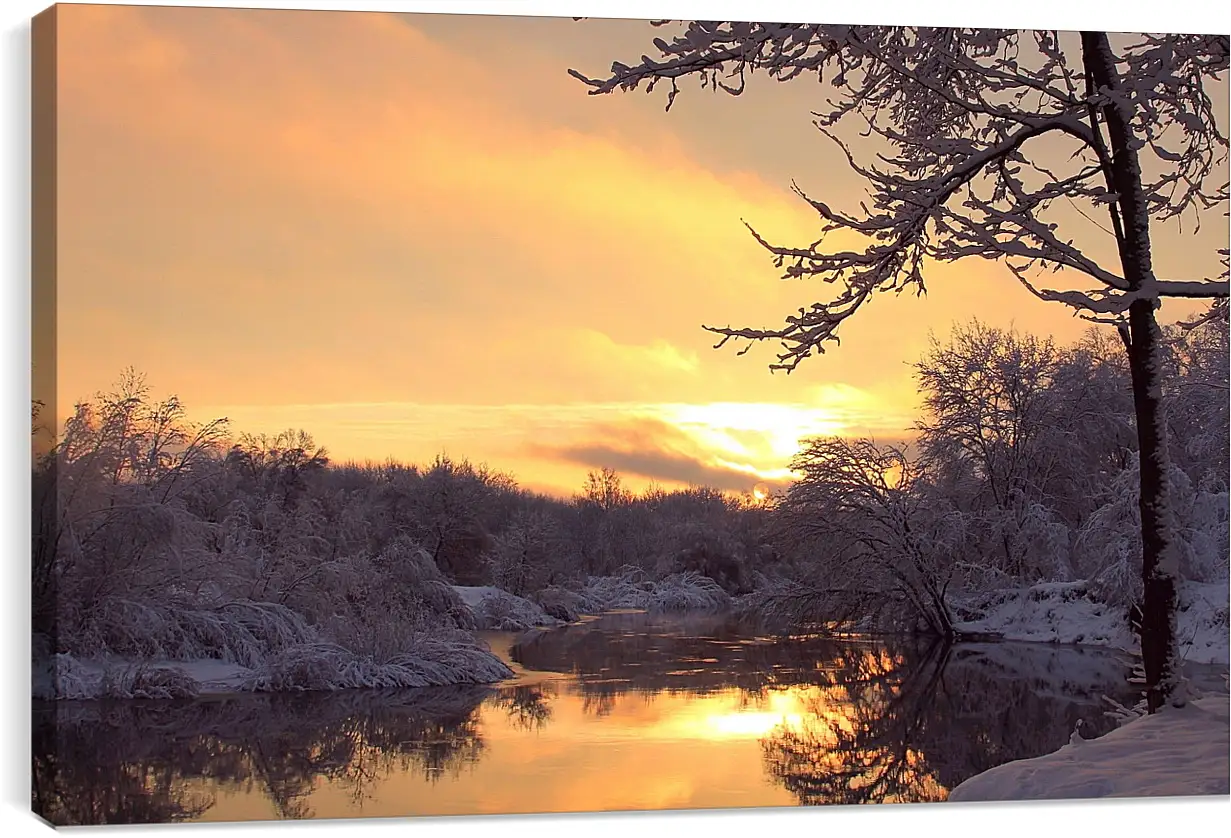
(633,588)
(966,138)
(860,508)
(323,666)
(526,557)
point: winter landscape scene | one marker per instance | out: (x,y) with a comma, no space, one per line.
(456,415)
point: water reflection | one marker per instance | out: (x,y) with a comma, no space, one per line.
(135,762)
(641,713)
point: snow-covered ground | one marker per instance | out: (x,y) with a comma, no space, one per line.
(1179,751)
(1064,612)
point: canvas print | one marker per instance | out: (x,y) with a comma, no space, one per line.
(461,414)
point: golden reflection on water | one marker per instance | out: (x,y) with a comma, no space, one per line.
(641,750)
(647,751)
(644,713)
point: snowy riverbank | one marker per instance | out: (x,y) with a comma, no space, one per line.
(1180,751)
(1064,612)
(306,667)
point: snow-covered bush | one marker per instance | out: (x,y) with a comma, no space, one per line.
(325,666)
(686,592)
(376,604)
(560,603)
(633,588)
(497,610)
(242,632)
(146,681)
(624,589)
(72,680)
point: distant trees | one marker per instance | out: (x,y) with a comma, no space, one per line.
(969,141)
(154,534)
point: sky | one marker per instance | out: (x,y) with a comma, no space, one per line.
(417,234)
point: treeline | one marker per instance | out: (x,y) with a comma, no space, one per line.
(155,536)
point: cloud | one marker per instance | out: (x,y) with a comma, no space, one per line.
(660,465)
(652,448)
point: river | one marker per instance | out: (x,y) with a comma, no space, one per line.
(625,711)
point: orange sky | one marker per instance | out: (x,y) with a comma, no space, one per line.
(415,233)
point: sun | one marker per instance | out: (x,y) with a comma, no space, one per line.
(760,492)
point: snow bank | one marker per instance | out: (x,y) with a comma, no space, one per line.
(1068,612)
(1180,751)
(497,610)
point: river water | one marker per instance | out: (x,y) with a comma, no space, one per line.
(627,711)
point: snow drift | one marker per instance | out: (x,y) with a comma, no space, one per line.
(1180,751)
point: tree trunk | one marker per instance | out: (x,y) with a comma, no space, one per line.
(1158,563)
(1159,567)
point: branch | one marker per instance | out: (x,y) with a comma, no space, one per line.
(1201,289)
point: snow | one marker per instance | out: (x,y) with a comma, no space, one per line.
(117,678)
(1067,612)
(473,596)
(1179,751)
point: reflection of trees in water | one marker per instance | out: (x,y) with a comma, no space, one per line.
(910,725)
(859,742)
(649,654)
(78,780)
(528,706)
(134,762)
(892,719)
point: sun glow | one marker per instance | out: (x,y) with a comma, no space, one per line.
(757,438)
(725,716)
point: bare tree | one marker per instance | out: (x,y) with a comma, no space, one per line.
(961,121)
(880,546)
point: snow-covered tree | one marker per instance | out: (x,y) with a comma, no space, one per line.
(879,545)
(978,140)
(527,555)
